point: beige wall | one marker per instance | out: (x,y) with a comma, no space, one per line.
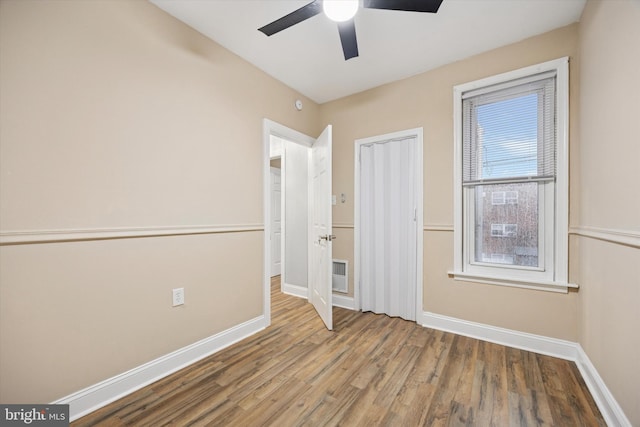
(425,101)
(609,273)
(114,114)
(74,314)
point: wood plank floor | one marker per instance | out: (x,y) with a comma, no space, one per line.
(372,370)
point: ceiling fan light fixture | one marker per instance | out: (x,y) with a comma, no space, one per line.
(340,10)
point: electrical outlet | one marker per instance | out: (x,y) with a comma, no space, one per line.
(178,296)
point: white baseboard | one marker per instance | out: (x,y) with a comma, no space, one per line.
(98,395)
(609,407)
(522,340)
(568,350)
(295,290)
(343,301)
(302,292)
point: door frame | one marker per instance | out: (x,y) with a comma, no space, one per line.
(269,127)
(416,133)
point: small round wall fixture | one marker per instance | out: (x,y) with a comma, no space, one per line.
(298,105)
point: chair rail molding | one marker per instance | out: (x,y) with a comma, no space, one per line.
(438,227)
(342,225)
(611,235)
(71,235)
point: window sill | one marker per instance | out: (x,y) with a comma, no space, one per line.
(559,287)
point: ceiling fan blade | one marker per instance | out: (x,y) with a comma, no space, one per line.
(347,32)
(295,17)
(407,5)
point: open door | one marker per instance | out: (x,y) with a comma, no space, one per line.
(320,227)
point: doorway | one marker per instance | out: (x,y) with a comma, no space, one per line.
(388,238)
(289,214)
(303,259)
(314,249)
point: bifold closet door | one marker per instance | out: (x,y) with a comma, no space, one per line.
(388,236)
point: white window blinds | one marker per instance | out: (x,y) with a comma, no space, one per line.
(509,132)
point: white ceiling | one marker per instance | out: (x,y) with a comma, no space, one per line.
(393,44)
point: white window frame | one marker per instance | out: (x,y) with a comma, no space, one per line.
(553,272)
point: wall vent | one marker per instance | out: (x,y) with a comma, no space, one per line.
(340,276)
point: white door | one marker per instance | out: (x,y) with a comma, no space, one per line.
(276,221)
(320,228)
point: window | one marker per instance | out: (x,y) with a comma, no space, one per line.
(511,197)
(502,197)
(497,198)
(497,229)
(511,142)
(504,230)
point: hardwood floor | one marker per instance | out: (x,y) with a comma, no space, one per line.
(372,370)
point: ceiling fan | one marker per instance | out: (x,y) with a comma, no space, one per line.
(343,12)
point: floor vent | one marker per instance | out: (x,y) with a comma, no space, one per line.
(341,276)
